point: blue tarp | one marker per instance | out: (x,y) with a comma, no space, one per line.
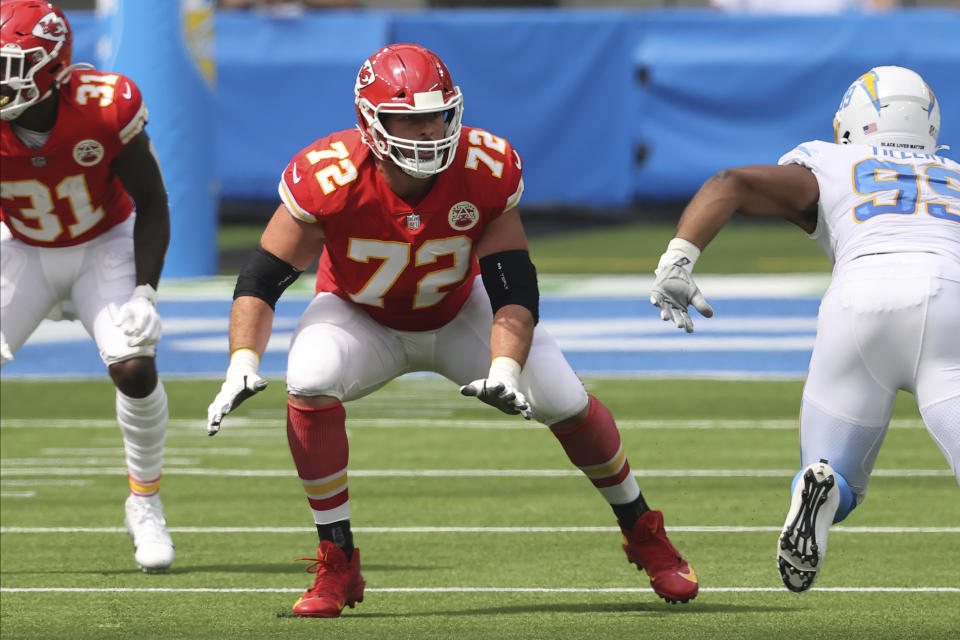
(577,92)
(282,84)
(558,85)
(728,90)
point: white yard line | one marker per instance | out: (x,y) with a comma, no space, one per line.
(31,463)
(279,342)
(199,426)
(41,482)
(643,590)
(118,451)
(7,472)
(433,530)
(560,285)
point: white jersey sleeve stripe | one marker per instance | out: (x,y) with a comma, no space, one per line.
(515,198)
(292,206)
(135,126)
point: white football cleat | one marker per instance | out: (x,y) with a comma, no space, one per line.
(153,547)
(803,542)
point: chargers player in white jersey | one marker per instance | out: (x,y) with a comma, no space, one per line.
(886,209)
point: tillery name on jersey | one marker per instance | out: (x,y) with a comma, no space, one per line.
(907,155)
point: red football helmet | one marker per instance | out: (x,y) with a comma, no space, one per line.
(406,78)
(36,45)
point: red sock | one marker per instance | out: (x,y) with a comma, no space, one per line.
(318,443)
(594,446)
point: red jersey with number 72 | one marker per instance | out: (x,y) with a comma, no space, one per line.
(410,266)
(65,193)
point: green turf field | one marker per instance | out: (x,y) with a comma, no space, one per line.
(471,524)
(635,249)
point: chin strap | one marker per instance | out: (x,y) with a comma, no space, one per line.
(430,165)
(415,174)
(68,69)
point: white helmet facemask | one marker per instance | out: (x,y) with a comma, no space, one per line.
(417,158)
(890,108)
(17,74)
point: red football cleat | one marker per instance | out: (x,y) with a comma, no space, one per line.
(647,547)
(336,584)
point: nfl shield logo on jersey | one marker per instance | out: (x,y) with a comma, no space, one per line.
(413,221)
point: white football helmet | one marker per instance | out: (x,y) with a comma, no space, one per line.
(890,107)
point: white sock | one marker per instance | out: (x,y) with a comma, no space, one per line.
(143,422)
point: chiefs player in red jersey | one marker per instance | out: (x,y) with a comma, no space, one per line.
(77,163)
(424,267)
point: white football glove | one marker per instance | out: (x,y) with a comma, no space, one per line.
(6,355)
(674,289)
(499,388)
(241,383)
(139,318)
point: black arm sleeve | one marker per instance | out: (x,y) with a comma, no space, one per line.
(265,276)
(510,278)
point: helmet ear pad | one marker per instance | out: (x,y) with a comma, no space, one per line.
(889,107)
(408,79)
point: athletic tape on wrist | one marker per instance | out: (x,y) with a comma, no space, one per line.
(681,252)
(504,369)
(147,291)
(243,361)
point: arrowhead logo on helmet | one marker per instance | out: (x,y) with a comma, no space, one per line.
(51,27)
(366,76)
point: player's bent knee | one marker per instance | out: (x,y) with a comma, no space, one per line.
(312,402)
(136,377)
(573,420)
(556,400)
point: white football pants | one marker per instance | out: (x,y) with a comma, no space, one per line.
(338,350)
(95,278)
(888,322)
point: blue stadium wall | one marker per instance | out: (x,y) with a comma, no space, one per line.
(608,107)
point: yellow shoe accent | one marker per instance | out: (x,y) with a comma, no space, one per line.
(691,575)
